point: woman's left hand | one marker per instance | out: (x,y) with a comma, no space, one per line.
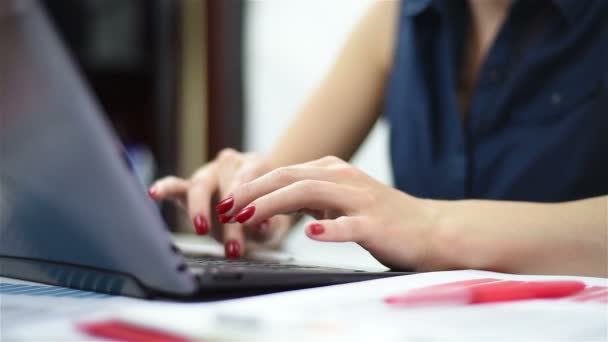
(396,228)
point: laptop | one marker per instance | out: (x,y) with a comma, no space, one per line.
(72,214)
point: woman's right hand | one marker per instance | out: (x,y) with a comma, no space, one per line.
(217,179)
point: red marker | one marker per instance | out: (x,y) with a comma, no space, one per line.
(120,331)
(491,292)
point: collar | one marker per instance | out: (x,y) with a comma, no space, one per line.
(414,7)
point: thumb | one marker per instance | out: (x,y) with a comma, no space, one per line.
(342,229)
(169,187)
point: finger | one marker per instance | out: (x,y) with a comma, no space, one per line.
(258,235)
(234,240)
(261,231)
(240,170)
(264,230)
(326,161)
(278,179)
(199,197)
(302,196)
(343,229)
(269,233)
(245,174)
(277,231)
(233,236)
(169,187)
(228,163)
(248,172)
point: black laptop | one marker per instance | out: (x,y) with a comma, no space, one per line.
(71,213)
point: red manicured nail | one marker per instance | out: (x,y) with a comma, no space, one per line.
(200,225)
(232,248)
(316,229)
(225,218)
(153,193)
(245,214)
(224,205)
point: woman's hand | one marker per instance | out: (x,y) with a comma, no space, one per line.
(404,232)
(219,178)
(401,231)
(394,227)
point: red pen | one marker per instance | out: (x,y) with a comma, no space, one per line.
(491,292)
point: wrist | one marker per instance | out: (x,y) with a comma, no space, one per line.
(455,241)
(441,237)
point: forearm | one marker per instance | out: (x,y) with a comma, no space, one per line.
(340,113)
(522,237)
(315,132)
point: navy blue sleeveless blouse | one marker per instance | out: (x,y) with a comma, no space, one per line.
(537,124)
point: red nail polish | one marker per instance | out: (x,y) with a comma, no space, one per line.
(153,193)
(225,218)
(224,205)
(200,225)
(316,229)
(245,214)
(232,248)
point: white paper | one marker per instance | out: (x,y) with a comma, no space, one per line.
(357,312)
(32,303)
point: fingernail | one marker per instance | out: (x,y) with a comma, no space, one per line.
(263,226)
(225,218)
(200,225)
(232,249)
(317,229)
(224,205)
(153,192)
(245,214)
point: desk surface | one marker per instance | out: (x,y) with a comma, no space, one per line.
(345,312)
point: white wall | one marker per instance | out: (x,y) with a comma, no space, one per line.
(290,46)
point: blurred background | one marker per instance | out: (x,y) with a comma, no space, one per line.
(182,79)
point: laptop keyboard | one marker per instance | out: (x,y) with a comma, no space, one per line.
(211,263)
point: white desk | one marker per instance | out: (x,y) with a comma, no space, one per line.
(345,312)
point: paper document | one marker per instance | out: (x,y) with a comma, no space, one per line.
(358,311)
(23,304)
